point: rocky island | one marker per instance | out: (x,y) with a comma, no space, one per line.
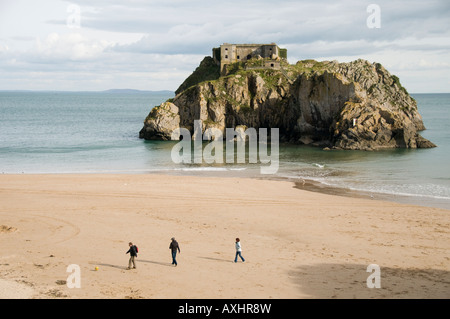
(353,106)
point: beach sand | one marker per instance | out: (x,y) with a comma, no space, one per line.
(297,244)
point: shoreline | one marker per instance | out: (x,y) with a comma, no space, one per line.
(423,201)
(322,188)
(299,183)
(296,243)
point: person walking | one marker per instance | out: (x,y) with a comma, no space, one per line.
(174,246)
(133,255)
(238,251)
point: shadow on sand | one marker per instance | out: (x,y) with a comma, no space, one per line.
(109,265)
(126,266)
(350,281)
(154,262)
(217,259)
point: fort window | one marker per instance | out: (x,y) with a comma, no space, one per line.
(226,57)
(271,65)
(238,57)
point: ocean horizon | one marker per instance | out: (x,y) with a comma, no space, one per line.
(96,132)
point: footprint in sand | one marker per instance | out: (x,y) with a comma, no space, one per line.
(7,229)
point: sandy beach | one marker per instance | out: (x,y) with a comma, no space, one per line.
(297,244)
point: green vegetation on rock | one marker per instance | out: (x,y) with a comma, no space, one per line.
(354,105)
(208,70)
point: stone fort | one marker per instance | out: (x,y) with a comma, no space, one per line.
(231,53)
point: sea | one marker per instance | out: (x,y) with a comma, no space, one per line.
(98,133)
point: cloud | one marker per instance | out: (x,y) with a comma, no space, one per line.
(71,46)
(3,48)
(143,41)
(292,23)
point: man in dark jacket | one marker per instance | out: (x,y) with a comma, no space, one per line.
(174,247)
(133,255)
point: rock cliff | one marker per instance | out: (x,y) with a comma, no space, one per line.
(356,105)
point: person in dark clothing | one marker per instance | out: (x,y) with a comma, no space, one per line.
(174,247)
(133,255)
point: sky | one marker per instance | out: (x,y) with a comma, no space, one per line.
(154,45)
